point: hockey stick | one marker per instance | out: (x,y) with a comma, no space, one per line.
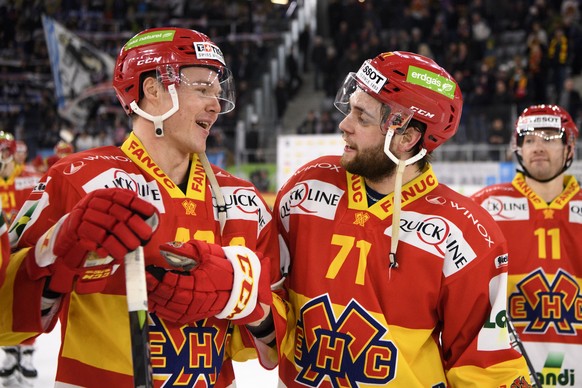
(137,304)
(516,342)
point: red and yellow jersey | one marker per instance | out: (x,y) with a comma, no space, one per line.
(4,247)
(95,350)
(437,320)
(545,273)
(15,189)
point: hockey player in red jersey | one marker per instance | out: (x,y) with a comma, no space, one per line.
(156,190)
(16,183)
(540,214)
(394,279)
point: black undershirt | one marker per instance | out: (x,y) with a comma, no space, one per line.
(373,196)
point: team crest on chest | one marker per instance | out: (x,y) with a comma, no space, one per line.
(361,218)
(347,351)
(188,356)
(542,304)
(189,207)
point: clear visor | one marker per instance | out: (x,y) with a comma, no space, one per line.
(543,125)
(392,114)
(546,127)
(204,82)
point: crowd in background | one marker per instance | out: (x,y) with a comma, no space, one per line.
(245,31)
(505,55)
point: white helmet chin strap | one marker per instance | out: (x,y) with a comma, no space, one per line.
(401,164)
(159,120)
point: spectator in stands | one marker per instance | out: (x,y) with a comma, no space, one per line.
(15,185)
(309,124)
(571,99)
(559,57)
(84,141)
(518,84)
(326,123)
(318,56)
(294,79)
(498,137)
(330,71)
(537,69)
(281,98)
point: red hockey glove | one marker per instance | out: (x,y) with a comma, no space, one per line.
(89,243)
(218,281)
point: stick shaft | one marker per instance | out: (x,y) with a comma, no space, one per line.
(137,303)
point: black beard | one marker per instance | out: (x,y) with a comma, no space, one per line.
(372,164)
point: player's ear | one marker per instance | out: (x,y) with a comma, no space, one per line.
(410,137)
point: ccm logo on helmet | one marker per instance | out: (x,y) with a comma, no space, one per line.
(149,60)
(422,112)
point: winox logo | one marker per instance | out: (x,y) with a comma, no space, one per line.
(326,348)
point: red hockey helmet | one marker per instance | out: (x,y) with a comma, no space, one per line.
(166,51)
(62,149)
(549,116)
(7,147)
(549,122)
(417,85)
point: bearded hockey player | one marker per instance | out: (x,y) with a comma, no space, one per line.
(394,279)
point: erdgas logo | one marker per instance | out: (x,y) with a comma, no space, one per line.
(371,77)
(431,81)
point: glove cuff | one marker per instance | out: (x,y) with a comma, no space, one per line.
(245,289)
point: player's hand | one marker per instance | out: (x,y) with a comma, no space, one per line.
(214,281)
(88,244)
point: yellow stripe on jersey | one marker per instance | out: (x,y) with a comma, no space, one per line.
(472,376)
(7,336)
(95,320)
